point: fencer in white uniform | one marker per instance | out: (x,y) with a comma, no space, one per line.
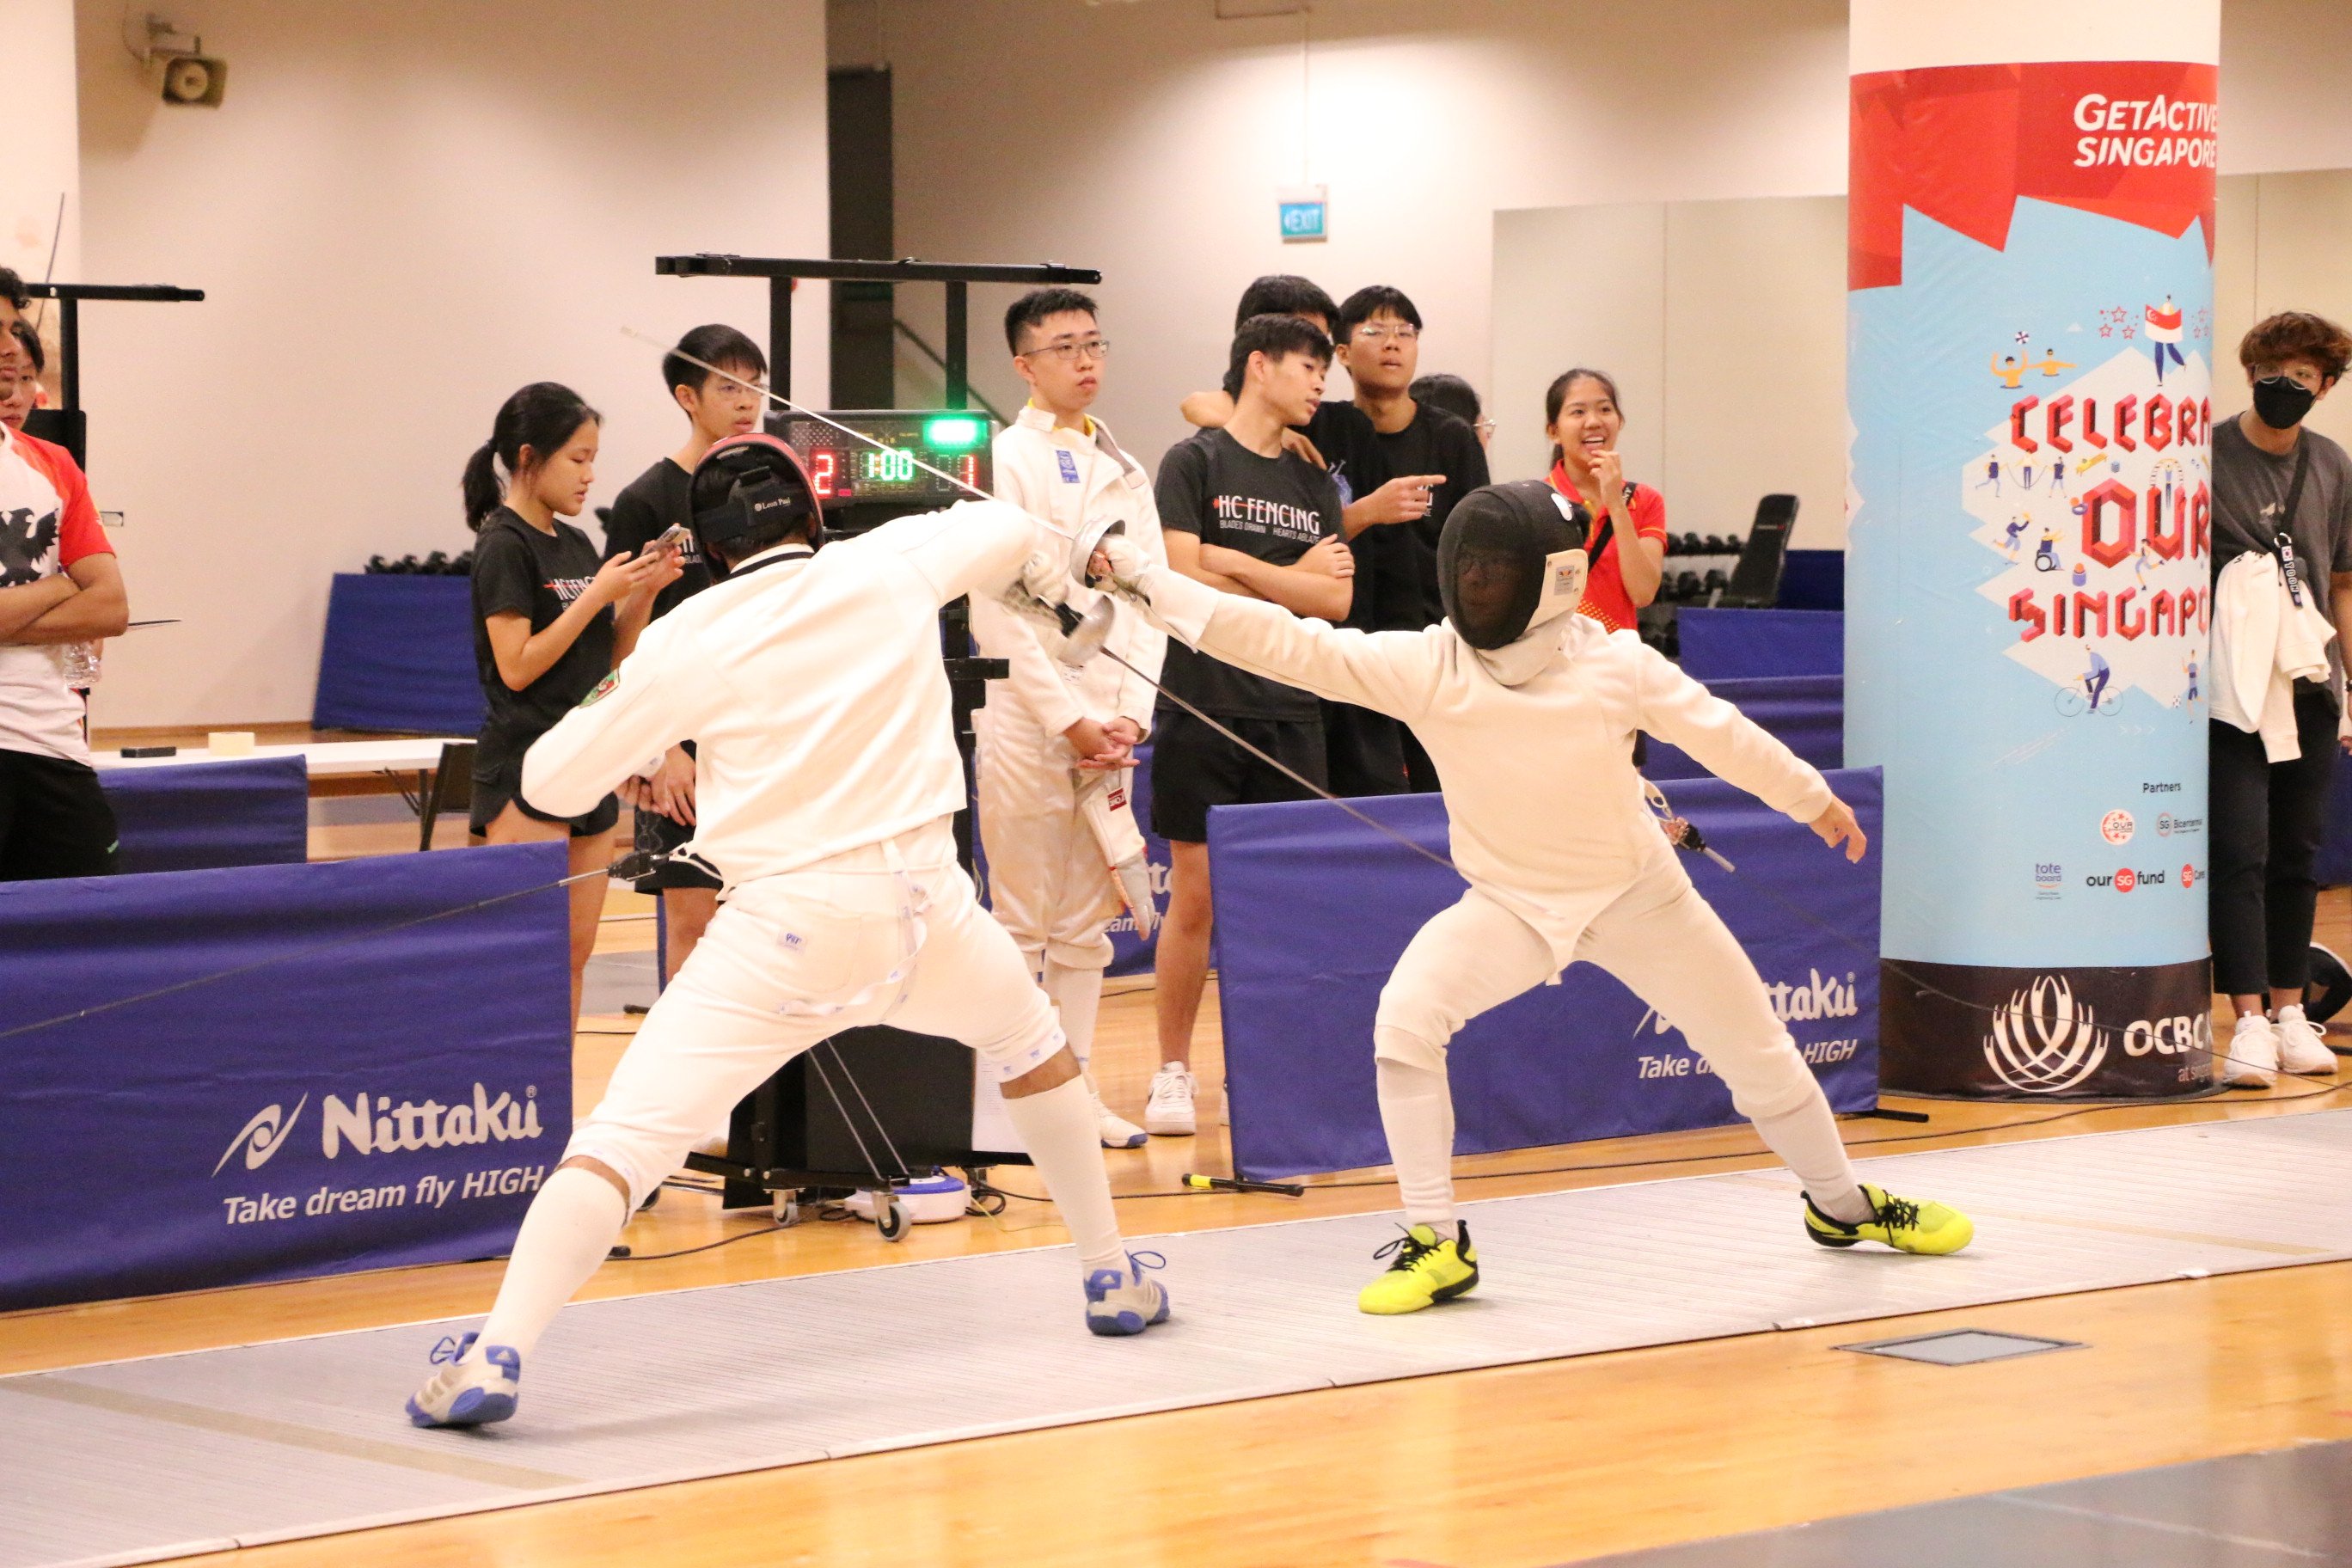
(827,779)
(1530,712)
(1045,814)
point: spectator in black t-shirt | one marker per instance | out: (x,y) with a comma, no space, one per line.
(1365,751)
(655,501)
(1242,514)
(1379,343)
(551,621)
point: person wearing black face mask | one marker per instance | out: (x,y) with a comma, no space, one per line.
(2281,491)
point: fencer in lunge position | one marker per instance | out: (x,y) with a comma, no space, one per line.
(828,777)
(1057,741)
(1530,712)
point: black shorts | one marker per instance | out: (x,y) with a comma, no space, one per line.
(498,779)
(1363,751)
(54,819)
(1194,768)
(658,835)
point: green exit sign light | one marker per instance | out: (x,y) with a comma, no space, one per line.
(953,434)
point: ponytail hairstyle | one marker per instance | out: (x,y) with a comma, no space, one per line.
(1557,394)
(542,416)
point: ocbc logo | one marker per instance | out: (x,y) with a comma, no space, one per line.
(2179,1036)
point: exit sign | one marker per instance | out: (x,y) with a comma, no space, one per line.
(1305,214)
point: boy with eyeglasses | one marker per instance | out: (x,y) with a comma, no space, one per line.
(1378,340)
(1050,734)
(1364,752)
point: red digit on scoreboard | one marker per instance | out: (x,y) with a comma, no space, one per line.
(821,470)
(968,469)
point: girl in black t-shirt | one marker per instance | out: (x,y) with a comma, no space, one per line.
(549,622)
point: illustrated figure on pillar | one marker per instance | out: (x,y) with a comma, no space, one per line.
(2163,327)
(1992,476)
(2045,554)
(828,782)
(1531,711)
(2096,679)
(2012,539)
(2050,364)
(2011,370)
(1056,743)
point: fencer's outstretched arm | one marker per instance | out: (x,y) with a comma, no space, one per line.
(975,547)
(1725,742)
(1393,673)
(632,718)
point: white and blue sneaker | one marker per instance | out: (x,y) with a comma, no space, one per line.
(468,1393)
(1122,1301)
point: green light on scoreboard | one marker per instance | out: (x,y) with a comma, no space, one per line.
(953,433)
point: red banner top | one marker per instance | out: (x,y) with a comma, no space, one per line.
(2134,140)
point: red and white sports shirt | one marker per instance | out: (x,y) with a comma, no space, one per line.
(46,523)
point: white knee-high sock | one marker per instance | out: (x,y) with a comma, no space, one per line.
(1059,1130)
(1417,1114)
(1807,1140)
(569,1230)
(1078,996)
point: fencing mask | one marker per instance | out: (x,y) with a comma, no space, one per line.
(747,491)
(1511,557)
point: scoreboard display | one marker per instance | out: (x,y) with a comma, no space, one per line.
(848,471)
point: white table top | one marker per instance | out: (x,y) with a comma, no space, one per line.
(323,759)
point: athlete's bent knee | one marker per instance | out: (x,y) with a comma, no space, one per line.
(591,1163)
(1406,1049)
(1056,1070)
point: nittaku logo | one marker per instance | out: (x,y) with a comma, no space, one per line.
(2039,1043)
(2116,826)
(390,1126)
(263,1136)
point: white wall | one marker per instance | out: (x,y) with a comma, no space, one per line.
(1148,138)
(402,212)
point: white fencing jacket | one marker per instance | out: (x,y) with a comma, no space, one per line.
(1069,478)
(1546,811)
(2262,644)
(813,687)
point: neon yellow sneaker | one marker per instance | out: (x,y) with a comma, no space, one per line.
(1423,1271)
(1906,1224)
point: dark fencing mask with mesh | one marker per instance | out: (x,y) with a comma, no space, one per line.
(1511,556)
(747,492)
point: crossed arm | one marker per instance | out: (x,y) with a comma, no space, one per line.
(85,601)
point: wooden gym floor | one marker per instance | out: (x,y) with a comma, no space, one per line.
(1530,1465)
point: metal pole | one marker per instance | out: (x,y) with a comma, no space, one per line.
(780,335)
(70,350)
(958,350)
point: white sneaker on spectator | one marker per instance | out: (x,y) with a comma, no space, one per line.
(2252,1061)
(1168,1112)
(1114,1131)
(2299,1047)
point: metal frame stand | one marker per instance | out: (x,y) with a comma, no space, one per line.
(69,428)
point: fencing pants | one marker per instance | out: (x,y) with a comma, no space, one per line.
(1671,949)
(889,935)
(1047,883)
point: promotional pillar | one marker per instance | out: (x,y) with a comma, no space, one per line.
(2030,357)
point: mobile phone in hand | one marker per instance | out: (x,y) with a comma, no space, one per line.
(677,536)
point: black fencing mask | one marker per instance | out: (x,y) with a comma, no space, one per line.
(1511,556)
(750,488)
(2281,403)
